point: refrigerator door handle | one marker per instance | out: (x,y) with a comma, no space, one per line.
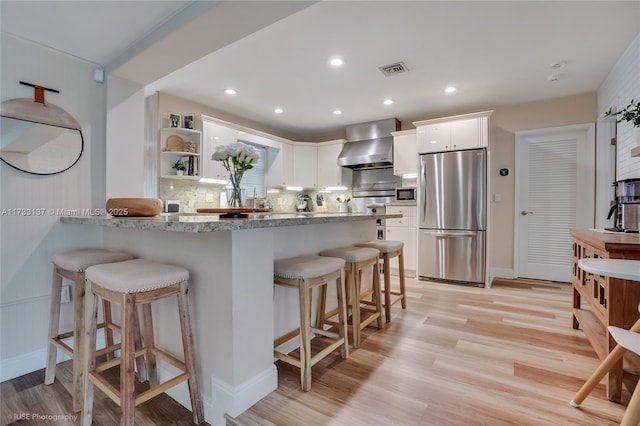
(441,234)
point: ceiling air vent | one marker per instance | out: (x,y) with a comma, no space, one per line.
(393,69)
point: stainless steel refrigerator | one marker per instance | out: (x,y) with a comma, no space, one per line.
(451,242)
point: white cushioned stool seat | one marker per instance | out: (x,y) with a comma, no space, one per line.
(352,254)
(384,246)
(134,276)
(80,260)
(309,266)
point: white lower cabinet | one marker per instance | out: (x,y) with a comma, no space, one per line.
(404,229)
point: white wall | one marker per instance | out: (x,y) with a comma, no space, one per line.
(27,242)
(125,138)
(619,88)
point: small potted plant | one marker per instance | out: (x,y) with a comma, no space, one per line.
(630,113)
(179,166)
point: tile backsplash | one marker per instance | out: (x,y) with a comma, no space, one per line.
(194,195)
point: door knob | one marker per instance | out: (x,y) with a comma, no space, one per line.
(524,212)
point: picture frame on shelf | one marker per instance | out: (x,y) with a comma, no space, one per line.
(188,121)
(175,119)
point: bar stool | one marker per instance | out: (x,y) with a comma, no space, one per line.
(357,260)
(305,273)
(388,250)
(72,265)
(132,284)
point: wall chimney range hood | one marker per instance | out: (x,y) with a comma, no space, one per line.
(369,145)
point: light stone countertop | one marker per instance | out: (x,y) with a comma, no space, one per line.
(203,222)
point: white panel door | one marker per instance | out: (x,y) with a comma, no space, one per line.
(555,192)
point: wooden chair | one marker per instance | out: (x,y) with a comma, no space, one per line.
(72,265)
(388,250)
(132,284)
(306,273)
(627,340)
(357,259)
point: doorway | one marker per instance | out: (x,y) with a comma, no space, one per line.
(555,192)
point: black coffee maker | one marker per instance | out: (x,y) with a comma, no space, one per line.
(625,210)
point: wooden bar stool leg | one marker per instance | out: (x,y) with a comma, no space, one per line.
(305,337)
(188,344)
(54,327)
(107,316)
(128,358)
(321,307)
(78,336)
(353,283)
(377,293)
(387,288)
(148,361)
(342,315)
(89,353)
(403,290)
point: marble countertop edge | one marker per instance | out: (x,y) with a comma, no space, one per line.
(200,223)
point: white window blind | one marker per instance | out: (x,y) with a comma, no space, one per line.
(255,178)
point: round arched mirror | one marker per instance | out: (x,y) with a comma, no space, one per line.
(37,138)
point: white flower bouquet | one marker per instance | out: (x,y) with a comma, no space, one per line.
(237,158)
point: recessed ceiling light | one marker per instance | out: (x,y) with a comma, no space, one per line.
(337,112)
(278,110)
(336,62)
(388,102)
(230,91)
(216,137)
(450,89)
(557,65)
(553,77)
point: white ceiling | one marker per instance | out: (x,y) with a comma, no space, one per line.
(495,53)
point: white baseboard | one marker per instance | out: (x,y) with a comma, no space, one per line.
(20,365)
(502,273)
(226,399)
(234,400)
(29,362)
(180,392)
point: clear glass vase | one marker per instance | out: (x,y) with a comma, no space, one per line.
(236,196)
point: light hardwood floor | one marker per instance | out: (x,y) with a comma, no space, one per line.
(457,356)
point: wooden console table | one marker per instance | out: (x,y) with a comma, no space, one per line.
(600,301)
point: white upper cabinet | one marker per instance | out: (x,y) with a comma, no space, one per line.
(453,133)
(214,135)
(405,152)
(280,166)
(329,173)
(465,134)
(434,137)
(305,166)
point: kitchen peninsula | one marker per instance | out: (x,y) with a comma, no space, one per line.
(237,312)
